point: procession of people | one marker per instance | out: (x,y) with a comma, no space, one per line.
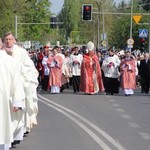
(55,69)
(91,71)
(18,88)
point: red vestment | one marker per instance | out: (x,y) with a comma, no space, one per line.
(55,64)
(128,69)
(91,78)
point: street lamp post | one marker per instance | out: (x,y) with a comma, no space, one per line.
(131,19)
(16,27)
(103,29)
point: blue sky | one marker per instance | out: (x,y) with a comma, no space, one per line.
(57,5)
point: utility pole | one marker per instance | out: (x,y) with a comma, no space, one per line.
(16,26)
(131,20)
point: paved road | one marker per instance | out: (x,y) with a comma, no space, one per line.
(70,121)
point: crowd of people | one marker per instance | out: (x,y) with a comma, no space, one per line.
(54,70)
(92,71)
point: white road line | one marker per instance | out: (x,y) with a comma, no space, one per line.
(103,133)
(116,105)
(112,100)
(87,130)
(134,125)
(126,116)
(145,136)
(120,110)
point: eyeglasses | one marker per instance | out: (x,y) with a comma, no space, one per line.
(9,39)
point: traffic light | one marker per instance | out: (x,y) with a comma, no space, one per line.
(53,22)
(142,44)
(87,12)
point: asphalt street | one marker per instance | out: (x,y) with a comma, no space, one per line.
(69,121)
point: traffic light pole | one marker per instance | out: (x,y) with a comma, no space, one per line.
(131,20)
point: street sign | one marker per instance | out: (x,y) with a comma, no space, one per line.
(137,18)
(143,33)
(104,43)
(103,36)
(130,41)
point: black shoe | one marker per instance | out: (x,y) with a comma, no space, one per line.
(27,132)
(16,142)
(127,94)
(12,146)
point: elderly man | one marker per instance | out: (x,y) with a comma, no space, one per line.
(91,78)
(29,76)
(144,71)
(11,98)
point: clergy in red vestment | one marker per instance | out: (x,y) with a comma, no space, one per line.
(91,78)
(55,64)
(128,69)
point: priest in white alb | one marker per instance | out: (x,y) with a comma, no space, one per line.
(29,76)
(11,98)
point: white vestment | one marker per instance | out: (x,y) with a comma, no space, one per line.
(29,77)
(10,88)
(111,72)
(76,68)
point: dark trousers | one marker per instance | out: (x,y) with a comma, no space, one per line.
(40,77)
(45,82)
(145,85)
(111,85)
(76,83)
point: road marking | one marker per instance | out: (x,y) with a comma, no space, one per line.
(87,130)
(145,136)
(112,100)
(103,133)
(126,116)
(120,110)
(134,125)
(116,105)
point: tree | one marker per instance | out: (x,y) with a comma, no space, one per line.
(39,13)
(8,10)
(27,11)
(71,16)
(145,4)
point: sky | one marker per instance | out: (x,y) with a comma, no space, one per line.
(57,5)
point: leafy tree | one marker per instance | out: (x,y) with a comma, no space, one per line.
(70,15)
(39,13)
(27,11)
(145,4)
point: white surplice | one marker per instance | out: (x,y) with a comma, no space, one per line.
(30,81)
(11,95)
